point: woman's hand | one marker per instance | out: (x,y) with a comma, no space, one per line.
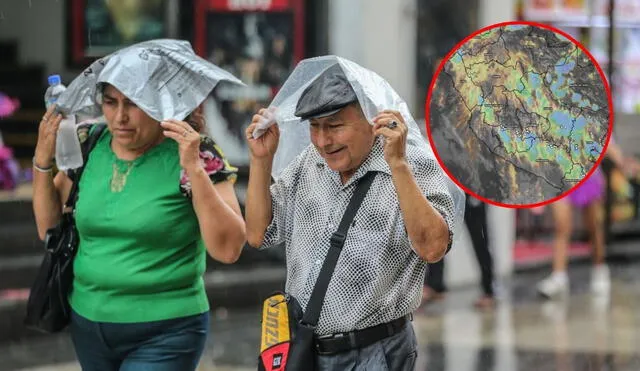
(47,134)
(188,141)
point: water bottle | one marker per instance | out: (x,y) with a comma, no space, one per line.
(54,90)
(68,151)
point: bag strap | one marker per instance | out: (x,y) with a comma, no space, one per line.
(314,307)
(75,174)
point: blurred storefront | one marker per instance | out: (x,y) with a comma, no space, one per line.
(259,42)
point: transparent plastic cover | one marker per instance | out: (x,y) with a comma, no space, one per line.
(374,95)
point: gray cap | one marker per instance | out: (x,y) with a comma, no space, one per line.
(327,94)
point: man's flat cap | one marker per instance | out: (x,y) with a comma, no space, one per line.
(327,94)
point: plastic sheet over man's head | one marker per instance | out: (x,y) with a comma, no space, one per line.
(374,94)
(164,78)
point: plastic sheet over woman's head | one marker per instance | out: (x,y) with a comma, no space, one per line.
(374,95)
(164,78)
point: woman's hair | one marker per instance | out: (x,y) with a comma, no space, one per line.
(99,92)
(200,127)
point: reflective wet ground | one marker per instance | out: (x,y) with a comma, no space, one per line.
(523,333)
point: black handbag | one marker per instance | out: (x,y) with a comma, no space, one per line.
(48,308)
(287,333)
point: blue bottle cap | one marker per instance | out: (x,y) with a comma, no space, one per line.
(54,79)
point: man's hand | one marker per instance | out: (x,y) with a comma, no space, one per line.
(265,146)
(395,136)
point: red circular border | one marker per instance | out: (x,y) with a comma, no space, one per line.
(439,70)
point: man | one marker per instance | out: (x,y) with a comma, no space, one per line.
(402,223)
(475,218)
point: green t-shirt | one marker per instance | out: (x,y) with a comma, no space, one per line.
(140,257)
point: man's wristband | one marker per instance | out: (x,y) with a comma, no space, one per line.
(41,169)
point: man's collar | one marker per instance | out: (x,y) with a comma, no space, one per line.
(375,160)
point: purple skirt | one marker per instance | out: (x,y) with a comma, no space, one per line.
(591,190)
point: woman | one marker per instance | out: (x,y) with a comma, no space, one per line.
(153,197)
(588,197)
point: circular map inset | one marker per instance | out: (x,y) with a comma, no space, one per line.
(518,114)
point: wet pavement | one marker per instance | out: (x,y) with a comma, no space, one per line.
(523,333)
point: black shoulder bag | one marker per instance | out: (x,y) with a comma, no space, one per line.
(287,336)
(48,308)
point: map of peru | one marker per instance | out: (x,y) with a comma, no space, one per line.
(519,114)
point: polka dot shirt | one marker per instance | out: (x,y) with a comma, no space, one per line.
(378,277)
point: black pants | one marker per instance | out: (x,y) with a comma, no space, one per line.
(475,217)
(395,353)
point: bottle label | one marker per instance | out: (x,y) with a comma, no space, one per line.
(49,102)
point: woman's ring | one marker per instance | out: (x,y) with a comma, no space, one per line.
(392,125)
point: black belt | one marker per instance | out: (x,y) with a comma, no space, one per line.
(345,341)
